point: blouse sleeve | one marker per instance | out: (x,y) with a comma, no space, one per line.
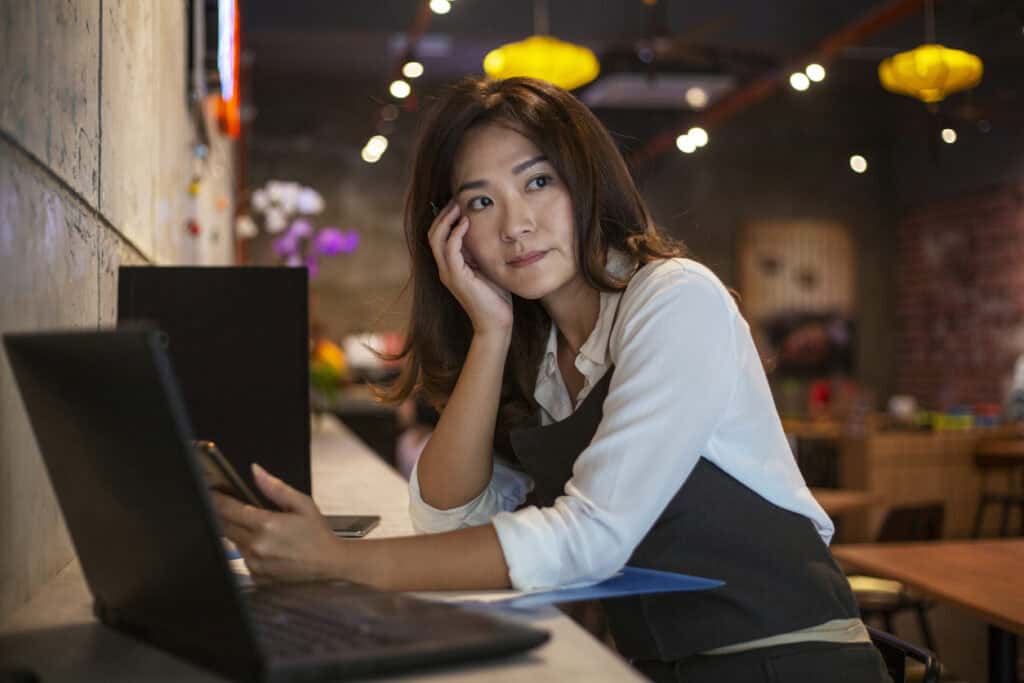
(506,491)
(676,366)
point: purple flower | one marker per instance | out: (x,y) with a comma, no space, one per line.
(313,266)
(294,261)
(301,228)
(351,242)
(286,245)
(329,241)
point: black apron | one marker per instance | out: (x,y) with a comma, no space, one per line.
(779,575)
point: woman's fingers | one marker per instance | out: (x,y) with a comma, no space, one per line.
(438,235)
(238,513)
(453,247)
(239,535)
(280,493)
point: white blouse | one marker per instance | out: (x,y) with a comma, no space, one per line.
(688,382)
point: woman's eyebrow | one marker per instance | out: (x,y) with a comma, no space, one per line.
(522,166)
(516,170)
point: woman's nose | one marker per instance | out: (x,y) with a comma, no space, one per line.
(518,222)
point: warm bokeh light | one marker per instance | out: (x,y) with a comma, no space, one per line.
(400,89)
(948,136)
(412,70)
(699,136)
(858,163)
(815,72)
(686,144)
(799,81)
(697,97)
(440,6)
(377,144)
(369,157)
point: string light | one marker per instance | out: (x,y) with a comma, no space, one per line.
(799,81)
(815,72)
(412,70)
(686,144)
(858,163)
(400,89)
(440,6)
(699,136)
(374,149)
(697,97)
(948,136)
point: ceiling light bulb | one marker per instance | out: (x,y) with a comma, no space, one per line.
(858,163)
(685,144)
(948,136)
(697,97)
(815,72)
(698,135)
(400,89)
(440,6)
(412,70)
(799,81)
(376,145)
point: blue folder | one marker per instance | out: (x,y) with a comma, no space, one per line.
(629,581)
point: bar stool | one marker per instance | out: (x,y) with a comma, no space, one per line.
(896,653)
(884,598)
(1004,456)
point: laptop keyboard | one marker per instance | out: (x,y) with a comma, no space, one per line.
(291,625)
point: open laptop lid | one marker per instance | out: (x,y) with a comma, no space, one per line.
(114,434)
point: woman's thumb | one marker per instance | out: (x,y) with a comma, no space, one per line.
(280,494)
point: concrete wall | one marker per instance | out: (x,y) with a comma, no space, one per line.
(95,161)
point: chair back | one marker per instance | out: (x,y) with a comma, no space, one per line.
(896,652)
(922,522)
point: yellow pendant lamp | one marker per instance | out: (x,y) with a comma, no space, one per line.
(566,65)
(931,71)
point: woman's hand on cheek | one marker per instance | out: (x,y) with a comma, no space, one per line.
(293,545)
(489,307)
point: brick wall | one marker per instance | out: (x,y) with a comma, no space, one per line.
(960,296)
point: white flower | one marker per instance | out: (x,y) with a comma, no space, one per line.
(310,201)
(275,190)
(277,221)
(245,227)
(260,200)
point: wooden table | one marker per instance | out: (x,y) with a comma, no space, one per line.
(1010,448)
(838,501)
(56,635)
(984,578)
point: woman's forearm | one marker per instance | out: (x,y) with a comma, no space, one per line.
(456,463)
(465,559)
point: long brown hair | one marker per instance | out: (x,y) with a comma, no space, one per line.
(608,212)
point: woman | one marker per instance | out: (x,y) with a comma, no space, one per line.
(601,402)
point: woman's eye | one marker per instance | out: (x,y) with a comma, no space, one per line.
(538,182)
(477,203)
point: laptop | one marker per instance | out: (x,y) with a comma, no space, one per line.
(115,436)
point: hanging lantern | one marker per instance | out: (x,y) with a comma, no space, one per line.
(930,72)
(563,64)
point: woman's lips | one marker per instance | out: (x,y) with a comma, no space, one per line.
(527,259)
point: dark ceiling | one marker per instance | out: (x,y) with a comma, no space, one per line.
(305,51)
(361,39)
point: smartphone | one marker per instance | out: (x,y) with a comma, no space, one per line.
(222,477)
(352,526)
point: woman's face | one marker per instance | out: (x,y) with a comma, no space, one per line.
(521,226)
